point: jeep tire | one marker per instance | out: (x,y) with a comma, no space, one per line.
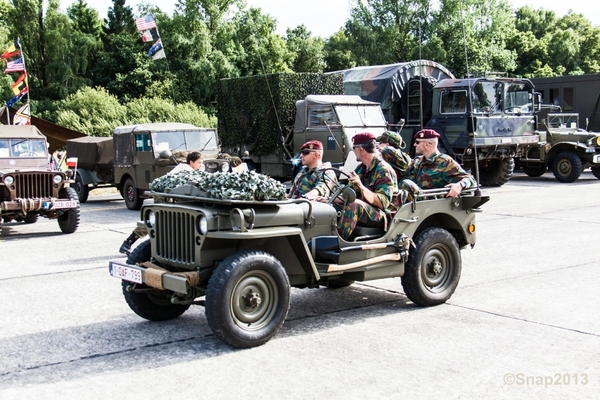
(31,218)
(596,172)
(133,201)
(497,172)
(151,305)
(433,269)
(68,221)
(566,167)
(247,299)
(82,190)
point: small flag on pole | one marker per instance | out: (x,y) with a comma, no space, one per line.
(153,50)
(15,65)
(145,23)
(20,85)
(22,116)
(13,50)
(150,35)
(72,162)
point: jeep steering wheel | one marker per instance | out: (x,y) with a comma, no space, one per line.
(339,187)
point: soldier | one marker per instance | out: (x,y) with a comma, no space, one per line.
(374,181)
(389,147)
(312,182)
(435,170)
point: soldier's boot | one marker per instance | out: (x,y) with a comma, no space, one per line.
(126,246)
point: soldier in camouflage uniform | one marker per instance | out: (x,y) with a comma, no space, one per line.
(313,182)
(435,170)
(374,181)
(389,147)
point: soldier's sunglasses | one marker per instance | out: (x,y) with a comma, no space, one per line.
(306,152)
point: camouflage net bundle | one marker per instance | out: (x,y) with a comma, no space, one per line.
(246,185)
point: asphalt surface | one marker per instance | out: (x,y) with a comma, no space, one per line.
(523,323)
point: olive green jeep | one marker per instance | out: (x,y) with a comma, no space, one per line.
(239,258)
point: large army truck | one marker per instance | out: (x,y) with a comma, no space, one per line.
(239,258)
(484,122)
(564,148)
(137,154)
(29,186)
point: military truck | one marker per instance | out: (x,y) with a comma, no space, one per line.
(239,258)
(29,187)
(137,154)
(484,122)
(565,148)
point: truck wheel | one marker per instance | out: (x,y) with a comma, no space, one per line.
(433,270)
(133,201)
(497,172)
(155,305)
(536,171)
(596,172)
(82,190)
(69,220)
(31,218)
(566,167)
(247,299)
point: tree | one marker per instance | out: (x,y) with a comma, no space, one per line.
(119,21)
(307,52)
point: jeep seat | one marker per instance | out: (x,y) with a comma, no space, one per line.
(363,232)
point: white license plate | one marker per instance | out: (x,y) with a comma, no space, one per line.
(126,273)
(64,204)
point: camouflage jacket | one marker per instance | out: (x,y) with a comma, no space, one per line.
(437,171)
(309,179)
(380,178)
(398,159)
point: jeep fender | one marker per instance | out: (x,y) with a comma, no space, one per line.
(575,147)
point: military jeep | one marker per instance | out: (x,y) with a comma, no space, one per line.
(28,185)
(565,148)
(239,258)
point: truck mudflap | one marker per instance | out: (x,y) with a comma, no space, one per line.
(154,276)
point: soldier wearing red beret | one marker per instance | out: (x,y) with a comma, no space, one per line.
(314,181)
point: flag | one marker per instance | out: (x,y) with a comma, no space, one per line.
(72,162)
(150,35)
(159,54)
(15,66)
(145,23)
(155,48)
(22,116)
(13,50)
(11,102)
(20,85)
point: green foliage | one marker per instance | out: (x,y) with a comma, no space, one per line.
(246,107)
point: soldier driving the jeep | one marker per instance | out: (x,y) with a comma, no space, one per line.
(313,182)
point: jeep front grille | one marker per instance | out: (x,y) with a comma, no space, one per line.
(175,236)
(33,185)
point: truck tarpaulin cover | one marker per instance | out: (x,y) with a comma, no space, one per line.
(91,152)
(385,83)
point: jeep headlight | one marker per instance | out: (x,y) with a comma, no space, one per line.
(57,179)
(150,219)
(225,167)
(8,180)
(598,141)
(202,225)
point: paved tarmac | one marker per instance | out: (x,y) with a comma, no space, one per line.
(523,323)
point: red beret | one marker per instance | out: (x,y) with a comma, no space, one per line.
(312,145)
(427,134)
(362,138)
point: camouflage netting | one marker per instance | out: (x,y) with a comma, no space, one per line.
(246,115)
(225,185)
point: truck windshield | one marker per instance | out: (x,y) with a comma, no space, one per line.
(518,98)
(360,115)
(185,140)
(23,148)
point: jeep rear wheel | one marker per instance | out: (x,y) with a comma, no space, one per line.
(31,218)
(68,221)
(535,171)
(133,201)
(433,270)
(247,299)
(82,190)
(153,305)
(496,172)
(596,172)
(566,167)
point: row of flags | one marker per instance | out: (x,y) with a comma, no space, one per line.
(147,27)
(15,62)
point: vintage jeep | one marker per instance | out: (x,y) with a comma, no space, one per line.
(28,185)
(565,148)
(244,256)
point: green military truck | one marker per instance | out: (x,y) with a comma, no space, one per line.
(137,154)
(239,258)
(29,186)
(564,148)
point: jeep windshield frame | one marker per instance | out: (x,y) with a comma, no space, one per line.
(23,148)
(360,115)
(197,139)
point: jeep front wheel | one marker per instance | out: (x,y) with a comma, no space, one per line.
(153,305)
(133,201)
(433,269)
(247,299)
(68,221)
(566,167)
(596,172)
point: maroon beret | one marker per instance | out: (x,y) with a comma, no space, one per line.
(362,138)
(312,145)
(427,134)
